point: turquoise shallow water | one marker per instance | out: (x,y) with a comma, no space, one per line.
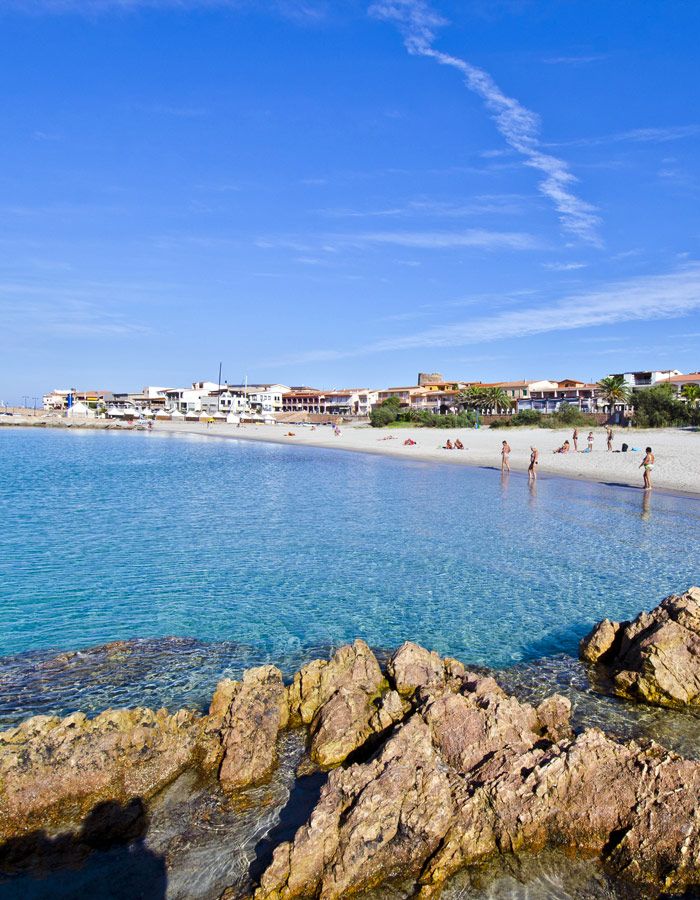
(272,552)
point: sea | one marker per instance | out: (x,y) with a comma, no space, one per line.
(140,568)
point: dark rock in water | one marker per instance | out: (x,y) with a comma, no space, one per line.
(656,657)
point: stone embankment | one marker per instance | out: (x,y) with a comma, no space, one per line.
(432,768)
(656,657)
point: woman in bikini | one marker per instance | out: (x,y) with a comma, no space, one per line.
(647,464)
(505,453)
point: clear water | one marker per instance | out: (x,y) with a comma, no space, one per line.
(279,553)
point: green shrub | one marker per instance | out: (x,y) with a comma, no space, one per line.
(382,415)
(566,417)
(658,407)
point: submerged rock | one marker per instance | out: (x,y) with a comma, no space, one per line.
(656,657)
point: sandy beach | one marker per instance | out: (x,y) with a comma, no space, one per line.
(677,451)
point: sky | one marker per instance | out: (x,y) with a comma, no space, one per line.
(346,193)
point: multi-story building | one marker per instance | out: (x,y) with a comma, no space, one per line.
(189,400)
(63,399)
(636,380)
(678,382)
(549,396)
(306,400)
(349,402)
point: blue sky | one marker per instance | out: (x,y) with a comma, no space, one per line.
(343,193)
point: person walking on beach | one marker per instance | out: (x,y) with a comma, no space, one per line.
(647,464)
(505,453)
(610,437)
(534,459)
(590,442)
(575,439)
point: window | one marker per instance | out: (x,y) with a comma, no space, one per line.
(524,392)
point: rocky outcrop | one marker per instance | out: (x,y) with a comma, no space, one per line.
(344,701)
(656,657)
(52,769)
(472,772)
(452,770)
(257,710)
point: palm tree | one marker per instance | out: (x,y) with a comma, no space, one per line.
(472,397)
(691,394)
(497,399)
(614,391)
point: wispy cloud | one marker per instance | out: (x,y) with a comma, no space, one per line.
(503,204)
(646,298)
(653,135)
(424,240)
(564,266)
(434,240)
(582,60)
(519,126)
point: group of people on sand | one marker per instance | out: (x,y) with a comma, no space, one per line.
(457,445)
(647,463)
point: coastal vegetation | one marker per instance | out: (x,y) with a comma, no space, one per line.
(614,391)
(391,413)
(565,417)
(658,407)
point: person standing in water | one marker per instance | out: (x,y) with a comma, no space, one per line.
(505,453)
(575,439)
(534,459)
(647,464)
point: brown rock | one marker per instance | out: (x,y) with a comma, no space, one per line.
(600,642)
(655,658)
(387,816)
(53,770)
(413,667)
(351,665)
(257,712)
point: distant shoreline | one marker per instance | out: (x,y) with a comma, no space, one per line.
(678,451)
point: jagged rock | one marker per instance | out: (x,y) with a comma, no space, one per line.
(257,711)
(351,665)
(387,816)
(54,769)
(413,667)
(344,701)
(656,657)
(600,642)
(472,772)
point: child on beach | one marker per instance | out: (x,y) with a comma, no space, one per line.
(590,442)
(505,453)
(647,464)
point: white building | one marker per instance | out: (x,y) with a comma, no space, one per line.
(636,380)
(189,400)
(56,399)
